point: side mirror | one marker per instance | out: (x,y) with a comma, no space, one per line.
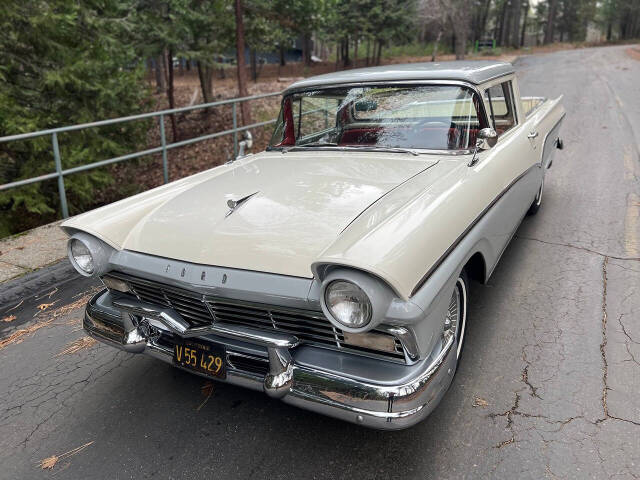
(487,138)
(366,105)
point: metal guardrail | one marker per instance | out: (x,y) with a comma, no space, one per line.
(164,147)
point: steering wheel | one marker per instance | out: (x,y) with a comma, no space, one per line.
(430,123)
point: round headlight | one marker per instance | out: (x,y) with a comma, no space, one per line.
(348,304)
(82,257)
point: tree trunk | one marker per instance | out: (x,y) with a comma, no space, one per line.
(503,21)
(506,31)
(205,74)
(461,43)
(283,60)
(253,64)
(435,46)
(368,51)
(524,23)
(306,49)
(170,96)
(484,17)
(379,55)
(345,56)
(337,55)
(551,19)
(516,11)
(159,70)
(242,68)
(355,50)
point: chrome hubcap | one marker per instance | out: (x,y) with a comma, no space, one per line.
(454,321)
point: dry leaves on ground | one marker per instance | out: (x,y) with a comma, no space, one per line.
(82,343)
(480,402)
(16,337)
(9,318)
(50,462)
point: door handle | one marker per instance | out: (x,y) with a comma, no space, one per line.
(532,135)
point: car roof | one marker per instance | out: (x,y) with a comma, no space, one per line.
(472,71)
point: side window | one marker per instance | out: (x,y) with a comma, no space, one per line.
(501,106)
(315,115)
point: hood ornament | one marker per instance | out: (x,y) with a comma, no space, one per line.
(234,204)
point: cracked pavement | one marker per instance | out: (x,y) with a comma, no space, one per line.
(552,352)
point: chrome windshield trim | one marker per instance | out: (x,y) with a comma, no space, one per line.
(460,83)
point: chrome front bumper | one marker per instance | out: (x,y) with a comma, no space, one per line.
(391,401)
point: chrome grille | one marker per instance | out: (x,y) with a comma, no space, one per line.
(309,326)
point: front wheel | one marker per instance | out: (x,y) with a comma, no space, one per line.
(455,322)
(533,209)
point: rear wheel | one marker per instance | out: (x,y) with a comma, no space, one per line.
(455,322)
(533,209)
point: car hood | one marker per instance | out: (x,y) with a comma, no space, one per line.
(295,205)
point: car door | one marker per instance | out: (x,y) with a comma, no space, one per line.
(514,163)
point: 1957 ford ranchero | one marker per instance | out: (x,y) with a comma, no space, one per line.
(331,271)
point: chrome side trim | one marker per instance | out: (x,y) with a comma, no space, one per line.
(435,266)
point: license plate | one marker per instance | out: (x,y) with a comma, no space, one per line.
(203,357)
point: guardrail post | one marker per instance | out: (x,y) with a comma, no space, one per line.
(234,110)
(58,163)
(163,140)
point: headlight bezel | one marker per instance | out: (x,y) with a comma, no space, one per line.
(378,293)
(99,251)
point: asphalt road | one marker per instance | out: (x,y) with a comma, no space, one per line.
(548,387)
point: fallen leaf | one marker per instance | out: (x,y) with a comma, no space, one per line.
(55,290)
(480,402)
(78,345)
(505,442)
(50,462)
(207,389)
(43,306)
(16,306)
(9,318)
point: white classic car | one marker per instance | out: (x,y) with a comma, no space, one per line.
(331,271)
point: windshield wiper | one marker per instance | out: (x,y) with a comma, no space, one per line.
(380,148)
(370,148)
(318,144)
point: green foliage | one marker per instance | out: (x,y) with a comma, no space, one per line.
(384,21)
(64,63)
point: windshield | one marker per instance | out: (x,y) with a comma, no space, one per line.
(434,117)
